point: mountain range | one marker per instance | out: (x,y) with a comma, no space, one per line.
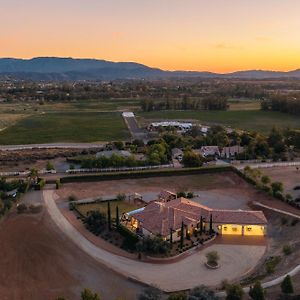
(54,68)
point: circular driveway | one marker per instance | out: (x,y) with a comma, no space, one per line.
(235,260)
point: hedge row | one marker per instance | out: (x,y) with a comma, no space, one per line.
(145,174)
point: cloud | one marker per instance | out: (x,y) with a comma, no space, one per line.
(225,46)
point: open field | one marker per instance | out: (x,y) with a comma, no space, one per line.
(68,106)
(124,207)
(255,120)
(66,127)
(244,104)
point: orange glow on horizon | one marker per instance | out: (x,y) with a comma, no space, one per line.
(194,35)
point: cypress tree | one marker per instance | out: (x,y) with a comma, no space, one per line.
(117,217)
(201,225)
(287,285)
(257,292)
(211,225)
(108,216)
(182,235)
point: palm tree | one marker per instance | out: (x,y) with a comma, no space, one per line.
(33,175)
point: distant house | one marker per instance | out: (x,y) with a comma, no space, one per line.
(177,125)
(159,218)
(177,154)
(206,151)
(231,152)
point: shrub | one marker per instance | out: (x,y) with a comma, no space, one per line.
(257,292)
(234,292)
(95,221)
(49,166)
(201,293)
(212,258)
(181,194)
(180,296)
(287,249)
(287,285)
(21,208)
(57,184)
(150,294)
(190,195)
(72,198)
(271,264)
(294,222)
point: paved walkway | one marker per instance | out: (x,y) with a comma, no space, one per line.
(235,260)
(277,210)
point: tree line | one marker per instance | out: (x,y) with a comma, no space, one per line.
(282,103)
(209,102)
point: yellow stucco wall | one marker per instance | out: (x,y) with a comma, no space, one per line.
(232,229)
(254,230)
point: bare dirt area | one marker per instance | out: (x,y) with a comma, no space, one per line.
(289,176)
(40,263)
(215,184)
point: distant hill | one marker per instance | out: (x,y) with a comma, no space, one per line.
(53,68)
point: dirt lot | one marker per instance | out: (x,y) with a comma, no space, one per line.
(289,176)
(39,263)
(222,183)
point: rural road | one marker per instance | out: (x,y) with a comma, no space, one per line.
(135,130)
(167,277)
(52,145)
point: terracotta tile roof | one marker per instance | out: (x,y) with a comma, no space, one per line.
(159,217)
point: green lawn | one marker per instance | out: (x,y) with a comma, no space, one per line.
(255,120)
(124,207)
(66,127)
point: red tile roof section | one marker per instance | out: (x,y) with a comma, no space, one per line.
(159,217)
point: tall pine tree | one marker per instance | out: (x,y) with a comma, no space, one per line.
(108,216)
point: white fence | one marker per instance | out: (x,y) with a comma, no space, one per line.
(26,173)
(269,165)
(109,170)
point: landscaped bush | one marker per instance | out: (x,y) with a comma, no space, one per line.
(271,264)
(95,221)
(39,184)
(154,245)
(72,198)
(21,208)
(130,239)
(212,258)
(287,249)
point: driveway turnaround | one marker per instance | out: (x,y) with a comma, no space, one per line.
(235,260)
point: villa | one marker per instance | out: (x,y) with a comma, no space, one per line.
(161,217)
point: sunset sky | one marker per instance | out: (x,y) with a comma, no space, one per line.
(210,35)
